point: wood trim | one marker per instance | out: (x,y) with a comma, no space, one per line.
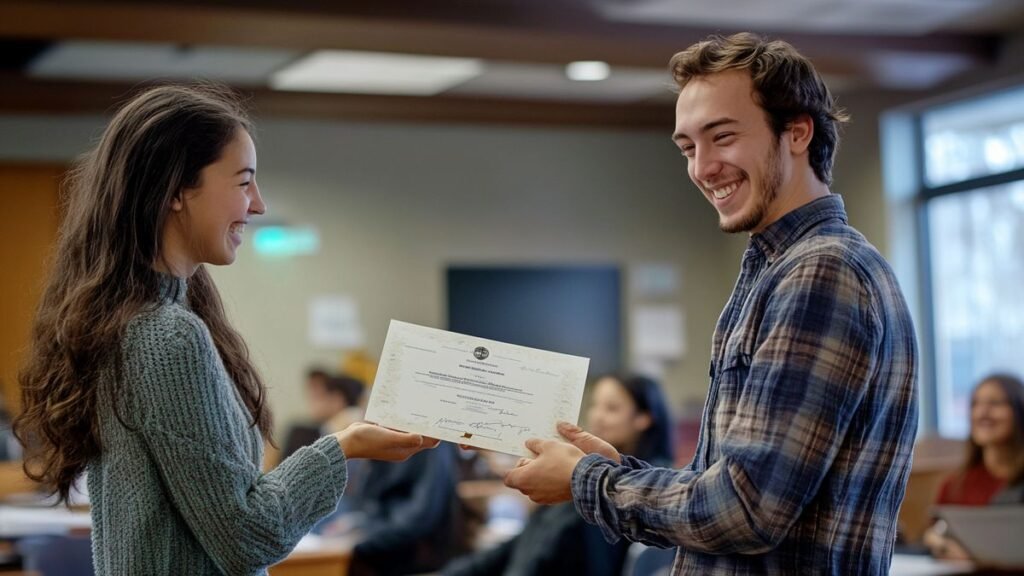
(549,41)
(23,95)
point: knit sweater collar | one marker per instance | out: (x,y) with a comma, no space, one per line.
(173,290)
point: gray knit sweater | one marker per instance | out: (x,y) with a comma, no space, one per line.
(179,489)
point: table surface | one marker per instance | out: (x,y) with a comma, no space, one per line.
(915,565)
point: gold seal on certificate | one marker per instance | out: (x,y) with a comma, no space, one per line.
(473,391)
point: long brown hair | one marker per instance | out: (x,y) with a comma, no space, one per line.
(102,274)
(1013,389)
(786,85)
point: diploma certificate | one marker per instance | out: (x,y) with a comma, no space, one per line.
(473,391)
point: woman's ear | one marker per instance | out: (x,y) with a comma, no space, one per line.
(177,204)
(642,421)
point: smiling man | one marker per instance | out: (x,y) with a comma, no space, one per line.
(807,432)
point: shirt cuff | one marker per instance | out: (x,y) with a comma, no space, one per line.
(588,479)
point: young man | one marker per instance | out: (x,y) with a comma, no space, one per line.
(806,437)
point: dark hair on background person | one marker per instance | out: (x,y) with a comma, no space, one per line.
(786,85)
(101,275)
(655,443)
(351,389)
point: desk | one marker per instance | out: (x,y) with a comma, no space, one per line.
(319,563)
(914,565)
(316,556)
(18,521)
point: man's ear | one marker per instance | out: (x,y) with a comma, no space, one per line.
(800,133)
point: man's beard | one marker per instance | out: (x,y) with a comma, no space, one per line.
(769,189)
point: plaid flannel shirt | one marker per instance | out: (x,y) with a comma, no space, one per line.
(806,438)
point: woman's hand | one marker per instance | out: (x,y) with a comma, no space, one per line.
(941,545)
(365,440)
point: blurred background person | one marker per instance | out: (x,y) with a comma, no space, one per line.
(629,412)
(407,519)
(333,403)
(994,469)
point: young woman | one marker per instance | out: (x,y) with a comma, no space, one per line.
(994,467)
(135,373)
(630,413)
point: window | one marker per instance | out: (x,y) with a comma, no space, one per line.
(976,251)
(972,209)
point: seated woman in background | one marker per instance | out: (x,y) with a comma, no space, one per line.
(631,414)
(994,470)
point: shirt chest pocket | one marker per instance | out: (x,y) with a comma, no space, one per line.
(732,380)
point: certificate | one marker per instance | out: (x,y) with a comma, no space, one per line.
(473,391)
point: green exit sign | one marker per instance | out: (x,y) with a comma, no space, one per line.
(286,240)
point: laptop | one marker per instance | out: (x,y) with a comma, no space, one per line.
(993,535)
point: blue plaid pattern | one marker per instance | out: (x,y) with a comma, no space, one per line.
(806,438)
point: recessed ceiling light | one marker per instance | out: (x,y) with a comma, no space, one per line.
(375,73)
(588,70)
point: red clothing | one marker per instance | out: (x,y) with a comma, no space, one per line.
(977,489)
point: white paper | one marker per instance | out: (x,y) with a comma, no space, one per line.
(658,332)
(474,391)
(334,323)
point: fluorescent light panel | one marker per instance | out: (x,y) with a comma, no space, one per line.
(375,73)
(134,61)
(588,70)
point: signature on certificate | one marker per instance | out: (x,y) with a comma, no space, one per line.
(497,426)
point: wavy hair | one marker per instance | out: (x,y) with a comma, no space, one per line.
(102,274)
(786,85)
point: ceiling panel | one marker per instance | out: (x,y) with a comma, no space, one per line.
(128,61)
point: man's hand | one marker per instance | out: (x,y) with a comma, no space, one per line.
(365,440)
(587,442)
(546,479)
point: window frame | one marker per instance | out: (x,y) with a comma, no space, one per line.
(922,195)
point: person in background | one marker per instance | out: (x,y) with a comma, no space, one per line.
(407,516)
(333,404)
(630,413)
(135,372)
(993,471)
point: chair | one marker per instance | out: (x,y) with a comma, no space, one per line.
(57,555)
(934,459)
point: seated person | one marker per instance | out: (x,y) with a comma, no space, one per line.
(994,469)
(406,519)
(631,414)
(333,404)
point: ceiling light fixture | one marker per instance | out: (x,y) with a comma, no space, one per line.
(588,70)
(375,73)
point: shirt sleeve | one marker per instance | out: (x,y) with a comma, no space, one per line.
(813,358)
(244,519)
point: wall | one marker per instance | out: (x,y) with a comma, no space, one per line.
(30,192)
(396,204)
